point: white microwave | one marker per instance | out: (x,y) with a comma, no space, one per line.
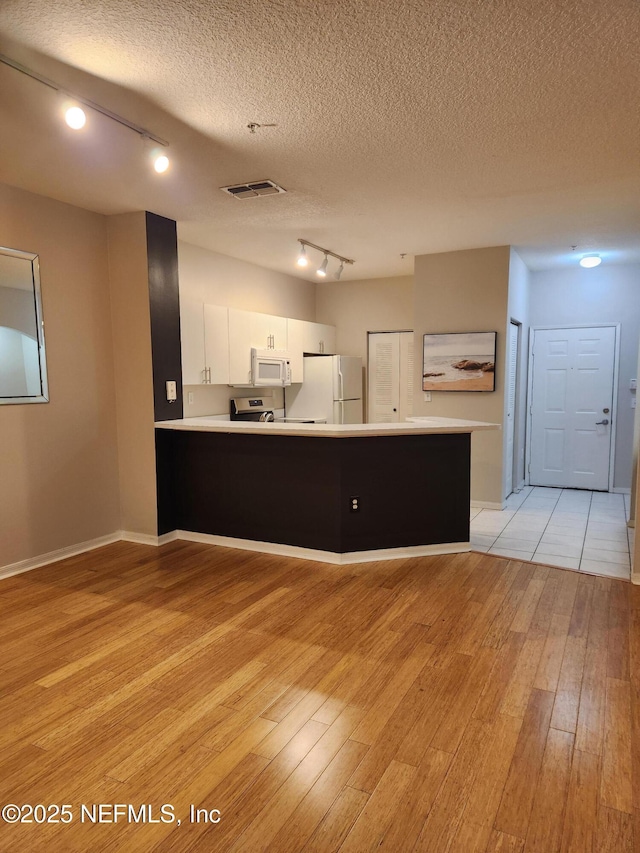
(270,367)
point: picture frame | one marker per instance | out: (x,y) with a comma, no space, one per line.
(459,361)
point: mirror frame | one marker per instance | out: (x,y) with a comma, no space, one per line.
(37,298)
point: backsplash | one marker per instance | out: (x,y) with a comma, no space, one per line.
(214,399)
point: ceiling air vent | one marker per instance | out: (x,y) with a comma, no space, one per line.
(253,190)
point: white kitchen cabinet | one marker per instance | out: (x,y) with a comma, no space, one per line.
(204,334)
(304,336)
(249,329)
(216,344)
(192,343)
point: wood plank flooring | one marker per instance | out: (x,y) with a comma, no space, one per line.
(461,703)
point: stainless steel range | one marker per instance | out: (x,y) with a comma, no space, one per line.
(251,409)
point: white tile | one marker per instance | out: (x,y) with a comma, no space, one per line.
(607,499)
(568,529)
(596,554)
(576,509)
(620,545)
(482,548)
(556,560)
(481,539)
(594,567)
(539,503)
(517,531)
(607,518)
(514,544)
(561,539)
(546,491)
(562,517)
(514,555)
(606,531)
(564,549)
(473,512)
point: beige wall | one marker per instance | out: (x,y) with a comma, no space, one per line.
(216,279)
(59,459)
(369,305)
(466,291)
(133,369)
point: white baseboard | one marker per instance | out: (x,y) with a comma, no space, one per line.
(620,491)
(489,505)
(324,556)
(59,554)
(147,539)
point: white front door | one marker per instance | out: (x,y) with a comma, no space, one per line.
(571,407)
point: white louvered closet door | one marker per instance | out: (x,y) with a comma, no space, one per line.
(390,377)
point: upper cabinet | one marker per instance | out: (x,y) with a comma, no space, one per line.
(249,329)
(305,336)
(204,332)
(217,342)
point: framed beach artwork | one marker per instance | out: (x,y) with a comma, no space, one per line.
(464,361)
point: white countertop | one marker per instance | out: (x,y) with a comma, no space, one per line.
(416,426)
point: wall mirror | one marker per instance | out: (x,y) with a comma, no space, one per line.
(23,370)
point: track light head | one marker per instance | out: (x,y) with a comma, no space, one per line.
(322,269)
(75,117)
(302,257)
(338,272)
(161,163)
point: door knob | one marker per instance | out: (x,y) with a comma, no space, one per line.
(603,423)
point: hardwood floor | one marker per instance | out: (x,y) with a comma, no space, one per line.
(461,703)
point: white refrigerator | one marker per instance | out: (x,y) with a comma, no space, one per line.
(332,389)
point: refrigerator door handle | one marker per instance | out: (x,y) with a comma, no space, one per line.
(341,411)
(340,384)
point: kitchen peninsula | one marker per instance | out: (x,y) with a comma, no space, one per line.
(334,492)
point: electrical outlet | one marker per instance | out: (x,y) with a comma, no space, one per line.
(633,402)
(172,391)
(354,504)
(427,396)
(190,398)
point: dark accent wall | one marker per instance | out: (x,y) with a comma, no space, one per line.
(412,490)
(164,304)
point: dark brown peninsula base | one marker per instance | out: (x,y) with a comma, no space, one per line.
(410,490)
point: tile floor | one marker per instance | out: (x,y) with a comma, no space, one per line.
(569,528)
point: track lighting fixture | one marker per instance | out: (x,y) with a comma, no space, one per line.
(302,257)
(590,261)
(322,269)
(76,117)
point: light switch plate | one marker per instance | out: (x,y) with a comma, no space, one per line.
(172,392)
(427,396)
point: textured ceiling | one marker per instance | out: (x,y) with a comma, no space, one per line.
(402,127)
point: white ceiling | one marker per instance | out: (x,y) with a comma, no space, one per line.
(412,126)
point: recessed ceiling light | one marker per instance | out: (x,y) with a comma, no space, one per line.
(590,261)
